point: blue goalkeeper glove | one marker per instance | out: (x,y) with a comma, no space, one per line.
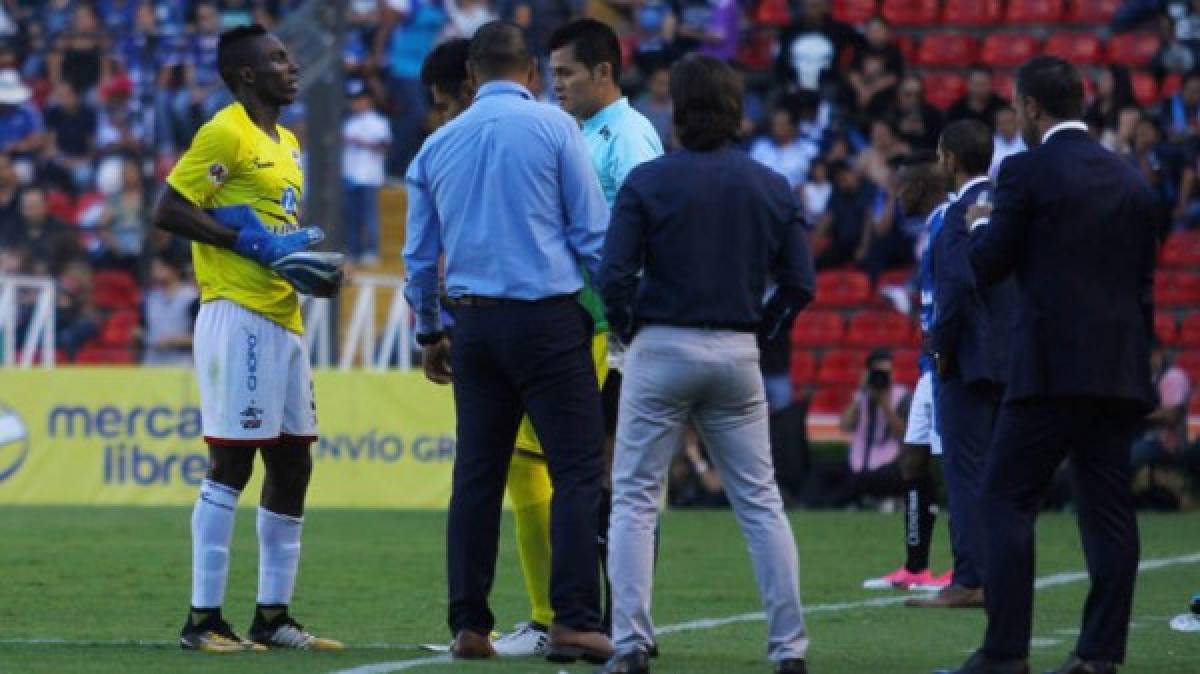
(255,242)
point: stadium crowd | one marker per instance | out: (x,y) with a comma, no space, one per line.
(97,100)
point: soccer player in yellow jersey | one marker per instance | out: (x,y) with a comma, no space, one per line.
(235,194)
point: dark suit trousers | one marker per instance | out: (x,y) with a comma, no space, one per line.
(508,359)
(966,416)
(1032,438)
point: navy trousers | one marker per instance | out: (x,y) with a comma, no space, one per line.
(966,416)
(508,359)
(1032,438)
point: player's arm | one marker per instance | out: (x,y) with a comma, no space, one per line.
(181,217)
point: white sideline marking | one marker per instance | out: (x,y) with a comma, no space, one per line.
(1052,580)
(160,643)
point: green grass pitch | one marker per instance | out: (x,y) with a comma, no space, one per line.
(376,578)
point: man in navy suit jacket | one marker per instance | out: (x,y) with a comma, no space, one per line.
(969,340)
(1070,225)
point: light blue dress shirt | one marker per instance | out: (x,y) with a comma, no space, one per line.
(618,139)
(507,192)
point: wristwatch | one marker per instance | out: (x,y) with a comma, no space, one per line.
(430,338)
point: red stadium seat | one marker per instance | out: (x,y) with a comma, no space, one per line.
(1002,84)
(1189,332)
(113,289)
(1166,327)
(842,367)
(1189,362)
(1077,48)
(777,13)
(1007,50)
(895,277)
(831,400)
(754,51)
(905,369)
(1034,11)
(911,12)
(1181,250)
(879,328)
(908,47)
(943,89)
(818,328)
(803,370)
(953,50)
(1132,49)
(1194,408)
(1145,88)
(1092,12)
(842,288)
(854,12)
(972,12)
(119,328)
(1176,288)
(101,355)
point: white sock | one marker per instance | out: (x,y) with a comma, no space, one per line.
(278,556)
(212,529)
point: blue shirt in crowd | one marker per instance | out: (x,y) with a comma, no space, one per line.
(506,191)
(18,122)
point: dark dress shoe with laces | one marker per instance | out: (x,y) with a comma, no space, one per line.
(951,596)
(980,664)
(634,662)
(793,666)
(1077,665)
(470,645)
(567,645)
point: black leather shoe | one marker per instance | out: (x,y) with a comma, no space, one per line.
(1077,665)
(794,666)
(635,662)
(978,663)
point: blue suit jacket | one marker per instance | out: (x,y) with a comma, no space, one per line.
(1073,226)
(972,323)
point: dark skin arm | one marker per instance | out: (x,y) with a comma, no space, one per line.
(179,216)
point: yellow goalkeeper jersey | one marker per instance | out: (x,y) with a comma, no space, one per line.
(232,161)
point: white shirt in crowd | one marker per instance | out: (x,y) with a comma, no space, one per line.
(1003,148)
(365,136)
(169,314)
(791,160)
(816,198)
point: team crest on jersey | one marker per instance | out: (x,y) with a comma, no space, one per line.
(296,157)
(217,173)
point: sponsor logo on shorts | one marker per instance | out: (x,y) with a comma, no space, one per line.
(252,417)
(251,361)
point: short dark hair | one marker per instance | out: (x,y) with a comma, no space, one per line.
(970,141)
(914,158)
(498,48)
(707,97)
(1054,84)
(594,42)
(877,355)
(446,66)
(234,52)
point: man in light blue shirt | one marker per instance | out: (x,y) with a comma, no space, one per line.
(506,192)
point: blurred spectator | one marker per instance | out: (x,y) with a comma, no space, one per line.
(693,482)
(71,138)
(168,312)
(710,26)
(125,130)
(50,242)
(812,47)
(1164,438)
(366,137)
(119,17)
(21,128)
(1114,93)
(144,55)
(1174,55)
(654,28)
(11,226)
(466,16)
(876,70)
(1180,114)
(783,150)
(814,195)
(124,220)
(918,123)
(655,104)
(1166,168)
(79,54)
(203,93)
(840,231)
(54,17)
(873,161)
(980,102)
(75,318)
(540,18)
(1007,140)
(409,30)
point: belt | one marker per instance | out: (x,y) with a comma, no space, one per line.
(475,301)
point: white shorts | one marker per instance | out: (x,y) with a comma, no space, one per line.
(255,378)
(922,424)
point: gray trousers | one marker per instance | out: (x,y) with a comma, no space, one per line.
(712,377)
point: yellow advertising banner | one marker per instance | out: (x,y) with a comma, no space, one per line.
(133,436)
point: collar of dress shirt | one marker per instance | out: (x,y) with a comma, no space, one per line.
(1073,125)
(969,184)
(502,87)
(605,114)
